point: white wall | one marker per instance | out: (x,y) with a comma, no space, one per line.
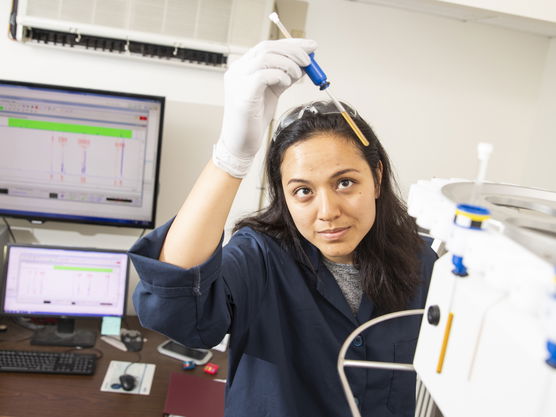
(540,152)
(431,87)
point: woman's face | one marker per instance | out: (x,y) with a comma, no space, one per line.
(330,193)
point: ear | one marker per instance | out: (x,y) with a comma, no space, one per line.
(378,179)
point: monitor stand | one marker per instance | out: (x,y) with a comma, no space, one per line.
(64,334)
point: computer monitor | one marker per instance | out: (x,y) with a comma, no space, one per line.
(66,283)
(79,155)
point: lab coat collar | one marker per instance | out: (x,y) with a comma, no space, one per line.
(329,289)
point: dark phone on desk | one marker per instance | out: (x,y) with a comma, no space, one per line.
(185,353)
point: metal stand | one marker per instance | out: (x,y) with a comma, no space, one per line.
(342,362)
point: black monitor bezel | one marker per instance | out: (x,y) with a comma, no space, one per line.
(40,217)
(3,280)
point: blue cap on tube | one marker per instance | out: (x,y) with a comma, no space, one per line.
(316,74)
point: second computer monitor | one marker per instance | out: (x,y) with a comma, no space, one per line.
(66,283)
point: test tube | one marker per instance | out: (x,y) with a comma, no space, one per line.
(318,77)
(348,119)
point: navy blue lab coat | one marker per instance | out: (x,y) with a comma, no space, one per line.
(286,327)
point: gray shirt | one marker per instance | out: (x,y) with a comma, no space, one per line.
(349,281)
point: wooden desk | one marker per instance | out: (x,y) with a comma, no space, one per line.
(45,395)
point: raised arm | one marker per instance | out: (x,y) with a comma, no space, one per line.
(253,85)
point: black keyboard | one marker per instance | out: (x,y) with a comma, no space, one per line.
(47,362)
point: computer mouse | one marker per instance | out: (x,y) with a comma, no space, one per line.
(133,340)
(127,381)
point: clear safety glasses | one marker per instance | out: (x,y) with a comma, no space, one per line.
(312,108)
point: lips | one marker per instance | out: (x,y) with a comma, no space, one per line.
(333,234)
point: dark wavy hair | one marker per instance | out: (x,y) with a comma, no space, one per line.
(388,256)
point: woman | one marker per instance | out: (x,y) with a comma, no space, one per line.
(333,249)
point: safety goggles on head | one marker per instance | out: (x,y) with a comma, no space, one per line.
(313,108)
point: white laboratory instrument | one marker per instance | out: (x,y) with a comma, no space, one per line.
(487,344)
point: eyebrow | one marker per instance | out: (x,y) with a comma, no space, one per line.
(336,174)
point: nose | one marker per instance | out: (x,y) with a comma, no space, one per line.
(329,207)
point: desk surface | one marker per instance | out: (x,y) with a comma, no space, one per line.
(46,395)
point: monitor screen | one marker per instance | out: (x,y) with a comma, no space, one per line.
(79,155)
(65,283)
(51,280)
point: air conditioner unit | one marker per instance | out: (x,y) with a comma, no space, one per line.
(198,32)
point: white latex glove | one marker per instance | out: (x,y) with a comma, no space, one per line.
(252,86)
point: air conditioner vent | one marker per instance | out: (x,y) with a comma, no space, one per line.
(193,31)
(98,43)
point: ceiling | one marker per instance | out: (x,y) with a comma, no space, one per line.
(471,14)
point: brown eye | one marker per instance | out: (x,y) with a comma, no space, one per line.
(345,183)
(302,192)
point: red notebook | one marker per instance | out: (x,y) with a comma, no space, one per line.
(194,396)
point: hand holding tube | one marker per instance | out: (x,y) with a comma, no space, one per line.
(252,87)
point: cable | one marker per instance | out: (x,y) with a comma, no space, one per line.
(9,229)
(134,362)
(14,320)
(15,341)
(25,324)
(142,233)
(99,355)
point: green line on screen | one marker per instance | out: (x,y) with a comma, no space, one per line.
(81,268)
(1,107)
(69,127)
